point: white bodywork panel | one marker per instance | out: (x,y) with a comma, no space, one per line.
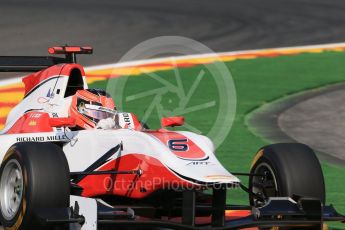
(89,145)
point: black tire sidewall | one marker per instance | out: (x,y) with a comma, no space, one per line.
(45,178)
(296,168)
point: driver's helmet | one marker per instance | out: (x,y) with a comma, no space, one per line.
(89,106)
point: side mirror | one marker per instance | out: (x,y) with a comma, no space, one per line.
(172,121)
(62,122)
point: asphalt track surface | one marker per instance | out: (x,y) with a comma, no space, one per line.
(310,117)
(316,121)
(113,27)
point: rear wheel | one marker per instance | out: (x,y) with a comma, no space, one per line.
(288,170)
(34,176)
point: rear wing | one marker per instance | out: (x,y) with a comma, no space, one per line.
(37,63)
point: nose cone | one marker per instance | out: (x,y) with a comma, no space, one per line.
(182,146)
(192,158)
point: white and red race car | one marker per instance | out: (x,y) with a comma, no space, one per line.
(56,176)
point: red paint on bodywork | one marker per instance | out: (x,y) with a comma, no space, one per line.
(70,49)
(193,152)
(32,122)
(62,122)
(32,80)
(155,176)
(172,121)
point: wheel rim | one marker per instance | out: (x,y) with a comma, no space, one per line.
(11,189)
(266,185)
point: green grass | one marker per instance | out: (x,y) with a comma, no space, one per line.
(257,81)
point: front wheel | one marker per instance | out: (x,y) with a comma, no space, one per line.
(286,170)
(34,176)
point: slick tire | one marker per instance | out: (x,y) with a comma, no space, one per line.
(34,176)
(291,169)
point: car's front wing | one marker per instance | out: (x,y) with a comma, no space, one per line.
(91,214)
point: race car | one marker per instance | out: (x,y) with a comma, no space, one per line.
(71,160)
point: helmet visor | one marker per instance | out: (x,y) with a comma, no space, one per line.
(96,112)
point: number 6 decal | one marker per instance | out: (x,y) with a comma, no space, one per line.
(178,145)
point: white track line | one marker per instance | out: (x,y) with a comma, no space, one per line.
(164,59)
(192,56)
